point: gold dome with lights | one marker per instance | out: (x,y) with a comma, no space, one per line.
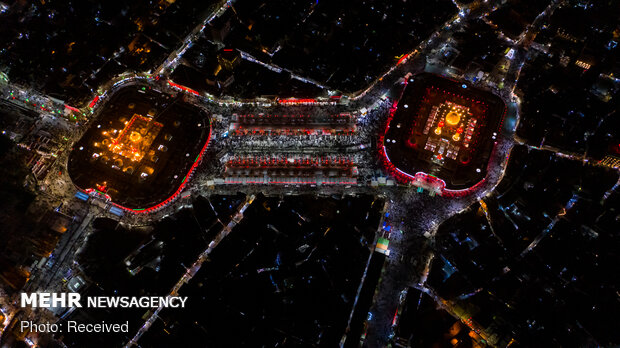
(453,118)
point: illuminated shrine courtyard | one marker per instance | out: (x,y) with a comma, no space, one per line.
(141,149)
(441,133)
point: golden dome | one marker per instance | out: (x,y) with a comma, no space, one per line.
(452,118)
(135,137)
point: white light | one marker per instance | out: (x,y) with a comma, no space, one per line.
(98,126)
(477,170)
(81,148)
(406,106)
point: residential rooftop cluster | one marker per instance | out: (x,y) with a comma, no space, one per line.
(532,261)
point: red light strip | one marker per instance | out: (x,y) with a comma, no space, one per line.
(92,103)
(292,182)
(296,101)
(72,108)
(402,59)
(186,89)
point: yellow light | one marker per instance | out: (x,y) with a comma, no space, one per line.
(456,137)
(135,137)
(438,131)
(453,118)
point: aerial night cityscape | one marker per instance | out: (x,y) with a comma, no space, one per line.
(309,173)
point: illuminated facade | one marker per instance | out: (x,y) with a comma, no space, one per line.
(452,128)
(130,149)
(132,143)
